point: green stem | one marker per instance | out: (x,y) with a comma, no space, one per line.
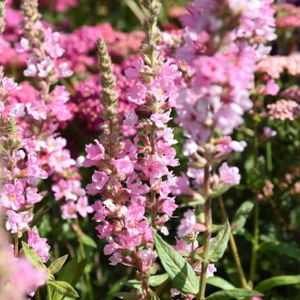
(207,235)
(234,249)
(49,293)
(38,295)
(255,245)
(83,256)
(255,242)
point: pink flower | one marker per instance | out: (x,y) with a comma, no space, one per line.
(229,175)
(124,165)
(133,72)
(271,88)
(69,210)
(146,257)
(168,206)
(32,196)
(160,119)
(100,211)
(18,222)
(25,284)
(116,258)
(129,124)
(39,245)
(99,179)
(189,225)
(104,230)
(95,153)
(211,269)
(137,94)
(12,195)
(154,169)
(83,207)
(52,43)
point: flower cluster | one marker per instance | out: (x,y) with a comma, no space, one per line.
(20,172)
(48,108)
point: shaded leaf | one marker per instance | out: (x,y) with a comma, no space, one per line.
(32,256)
(157,280)
(220,283)
(71,274)
(63,288)
(270,283)
(219,244)
(88,241)
(181,273)
(233,294)
(241,216)
(283,249)
(126,296)
(134,283)
(223,189)
(58,264)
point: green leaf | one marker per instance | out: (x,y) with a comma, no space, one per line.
(241,216)
(157,280)
(72,271)
(58,264)
(233,294)
(126,296)
(270,283)
(71,274)
(223,189)
(134,283)
(88,241)
(181,273)
(220,283)
(32,256)
(63,288)
(219,244)
(283,249)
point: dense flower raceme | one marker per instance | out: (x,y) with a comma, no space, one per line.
(47,108)
(218,57)
(126,179)
(20,171)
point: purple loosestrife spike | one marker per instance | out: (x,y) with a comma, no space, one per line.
(110,138)
(151,54)
(109,95)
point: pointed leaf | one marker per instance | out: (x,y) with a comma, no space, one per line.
(157,280)
(32,256)
(63,288)
(270,283)
(70,273)
(241,216)
(220,283)
(134,283)
(88,241)
(219,244)
(181,273)
(233,294)
(58,264)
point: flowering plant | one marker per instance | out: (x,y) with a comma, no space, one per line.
(156,145)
